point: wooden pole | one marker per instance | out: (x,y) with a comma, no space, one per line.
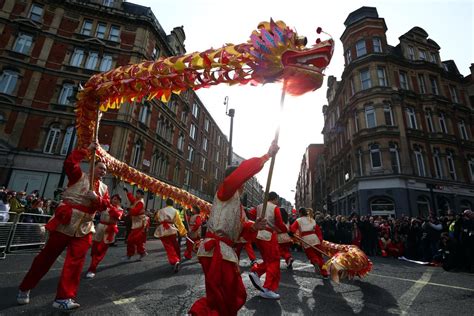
(317,249)
(272,162)
(95,137)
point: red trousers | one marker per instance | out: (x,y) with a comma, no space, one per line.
(71,274)
(271,262)
(224,298)
(316,258)
(136,242)
(170,243)
(285,251)
(98,251)
(188,254)
(248,247)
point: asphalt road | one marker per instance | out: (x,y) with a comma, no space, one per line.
(150,288)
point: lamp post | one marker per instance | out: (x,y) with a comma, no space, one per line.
(230,113)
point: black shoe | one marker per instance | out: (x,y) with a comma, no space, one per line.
(176,267)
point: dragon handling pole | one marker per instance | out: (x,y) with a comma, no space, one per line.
(92,160)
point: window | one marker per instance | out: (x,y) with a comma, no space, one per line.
(156,53)
(160,127)
(463,130)
(434,85)
(445,67)
(403,80)
(429,121)
(394,158)
(365,79)
(356,122)
(206,124)
(412,118)
(92,60)
(442,123)
(203,163)
(454,94)
(218,140)
(108,3)
(154,163)
(67,141)
(421,83)
(387,111)
(137,151)
(190,154)
(67,91)
(86,27)
(352,87)
(187,177)
(23,44)
(52,139)
(375,157)
(411,53)
(8,81)
(36,12)
(451,166)
(422,55)
(360,48)
(382,76)
(77,57)
(433,58)
(184,117)
(204,143)
(377,44)
(176,173)
(114,34)
(201,184)
(180,143)
(438,165)
(471,168)
(144,113)
(195,110)
(420,163)
(106,63)
(100,30)
(217,156)
(163,171)
(192,131)
(348,56)
(382,206)
(370,118)
(360,162)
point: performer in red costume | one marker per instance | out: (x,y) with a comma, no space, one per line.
(137,238)
(194,222)
(225,291)
(71,227)
(284,242)
(247,245)
(169,224)
(267,243)
(104,234)
(311,233)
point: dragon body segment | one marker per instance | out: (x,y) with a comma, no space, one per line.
(274,53)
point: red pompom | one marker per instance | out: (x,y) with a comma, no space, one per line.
(319,30)
(318,40)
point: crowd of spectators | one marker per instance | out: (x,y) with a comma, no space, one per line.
(446,239)
(16,203)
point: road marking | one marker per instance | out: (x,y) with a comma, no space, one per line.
(125,301)
(407,299)
(418,281)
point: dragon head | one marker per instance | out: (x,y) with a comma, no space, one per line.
(281,55)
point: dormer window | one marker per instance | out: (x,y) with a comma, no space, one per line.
(377,44)
(422,55)
(36,12)
(108,3)
(360,48)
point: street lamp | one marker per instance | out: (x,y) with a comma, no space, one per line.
(231,113)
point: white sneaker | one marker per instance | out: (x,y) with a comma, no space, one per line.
(176,267)
(67,304)
(90,275)
(270,295)
(255,279)
(126,258)
(23,297)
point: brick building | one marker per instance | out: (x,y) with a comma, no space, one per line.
(306,189)
(48,48)
(398,125)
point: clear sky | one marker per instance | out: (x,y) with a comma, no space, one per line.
(213,23)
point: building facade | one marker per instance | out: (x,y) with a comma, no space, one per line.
(49,48)
(398,126)
(306,195)
(253,190)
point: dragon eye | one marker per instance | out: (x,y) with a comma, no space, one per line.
(301,41)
